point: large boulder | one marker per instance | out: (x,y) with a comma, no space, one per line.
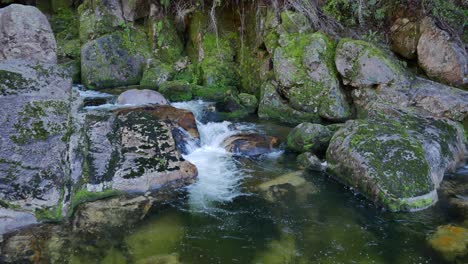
(404,36)
(309,137)
(304,68)
(133,150)
(250,144)
(99,17)
(396,158)
(25,33)
(114,60)
(34,130)
(440,56)
(423,95)
(363,65)
(141,97)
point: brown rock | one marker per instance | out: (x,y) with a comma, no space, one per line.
(250,144)
(404,37)
(440,56)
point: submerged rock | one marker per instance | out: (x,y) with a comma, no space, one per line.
(450,241)
(395,158)
(309,137)
(140,97)
(250,144)
(290,185)
(35,124)
(114,60)
(440,56)
(25,33)
(309,161)
(361,64)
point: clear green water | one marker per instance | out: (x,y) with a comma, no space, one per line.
(326,224)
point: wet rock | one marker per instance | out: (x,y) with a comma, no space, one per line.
(287,186)
(395,158)
(113,60)
(99,17)
(304,68)
(34,129)
(135,151)
(440,56)
(361,64)
(110,214)
(250,144)
(249,101)
(309,161)
(309,137)
(26,34)
(455,190)
(450,241)
(404,37)
(177,91)
(140,97)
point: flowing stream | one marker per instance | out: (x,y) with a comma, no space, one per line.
(226,219)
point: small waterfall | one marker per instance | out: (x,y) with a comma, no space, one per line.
(219,177)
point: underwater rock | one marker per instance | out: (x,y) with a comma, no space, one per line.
(114,60)
(440,56)
(450,241)
(309,137)
(140,97)
(34,130)
(455,189)
(290,185)
(250,144)
(396,158)
(25,33)
(363,65)
(404,36)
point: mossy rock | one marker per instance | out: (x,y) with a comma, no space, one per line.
(294,22)
(156,74)
(166,44)
(114,60)
(249,101)
(309,137)
(390,158)
(211,93)
(450,241)
(176,91)
(73,70)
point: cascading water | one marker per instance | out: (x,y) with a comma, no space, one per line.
(219,177)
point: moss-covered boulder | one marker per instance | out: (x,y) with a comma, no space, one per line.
(304,68)
(309,137)
(249,101)
(156,74)
(166,44)
(99,17)
(274,107)
(114,60)
(177,91)
(362,64)
(396,158)
(35,125)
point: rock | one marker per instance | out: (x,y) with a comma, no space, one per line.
(309,137)
(177,91)
(250,144)
(99,17)
(110,214)
(304,68)
(133,150)
(34,130)
(135,9)
(249,101)
(440,56)
(25,33)
(141,97)
(423,96)
(12,219)
(166,44)
(113,60)
(309,161)
(273,107)
(450,241)
(157,74)
(294,22)
(362,65)
(289,185)
(454,189)
(404,36)
(396,158)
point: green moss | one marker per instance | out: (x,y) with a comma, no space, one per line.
(92,25)
(166,43)
(156,75)
(176,91)
(211,93)
(8,205)
(84,196)
(12,83)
